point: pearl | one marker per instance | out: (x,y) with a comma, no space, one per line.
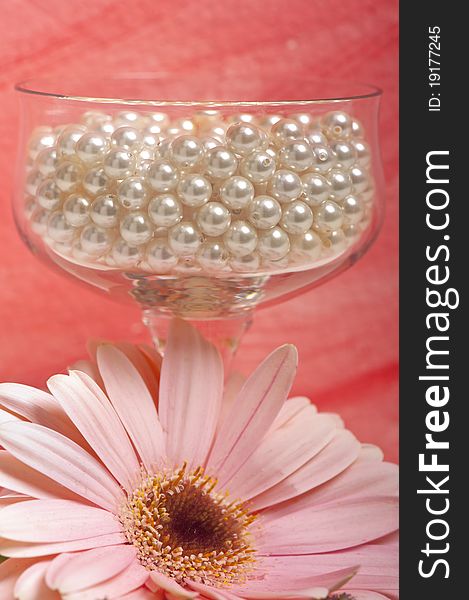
(160,257)
(96,241)
(353,209)
(259,166)
(105,211)
(184,238)
(184,125)
(59,229)
(126,137)
(344,153)
(68,175)
(186,151)
(264,212)
(194,190)
(359,178)
(357,128)
(340,182)
(337,124)
(244,117)
(241,238)
(304,119)
(297,218)
(132,193)
(136,229)
(96,181)
(76,209)
(329,216)
(243,138)
(149,145)
(221,162)
(212,255)
(237,192)
(352,232)
(323,159)
(33,181)
(162,176)
(209,142)
(68,138)
(39,220)
(286,130)
(159,118)
(165,210)
(336,241)
(246,264)
(127,117)
(267,121)
(42,137)
(163,150)
(46,161)
(95,118)
(124,255)
(285,186)
(307,246)
(274,244)
(316,189)
(91,147)
(296,156)
(49,195)
(214,219)
(316,136)
(119,163)
(363,152)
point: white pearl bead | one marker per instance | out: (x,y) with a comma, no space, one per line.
(124,255)
(296,156)
(163,150)
(353,209)
(363,152)
(76,210)
(336,241)
(96,241)
(244,117)
(194,190)
(316,189)
(126,137)
(159,118)
(162,176)
(183,125)
(209,142)
(221,162)
(329,216)
(287,130)
(304,119)
(307,246)
(241,238)
(357,128)
(267,121)
(285,186)
(33,181)
(143,166)
(105,211)
(274,244)
(39,220)
(259,166)
(47,161)
(96,181)
(132,193)
(237,192)
(212,255)
(41,138)
(264,212)
(352,232)
(184,238)
(59,229)
(323,159)
(344,152)
(136,229)
(49,195)
(127,117)
(119,163)
(243,138)
(337,124)
(165,210)
(68,138)
(214,219)
(246,264)
(68,175)
(91,147)
(186,151)
(160,257)
(316,136)
(94,118)
(359,178)
(297,218)
(340,182)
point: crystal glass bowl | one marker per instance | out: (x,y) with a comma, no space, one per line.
(198,200)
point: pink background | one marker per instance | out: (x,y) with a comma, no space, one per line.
(346,331)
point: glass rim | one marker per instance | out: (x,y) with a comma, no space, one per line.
(38,87)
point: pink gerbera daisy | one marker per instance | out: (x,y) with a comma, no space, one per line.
(140,479)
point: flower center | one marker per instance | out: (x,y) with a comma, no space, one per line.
(182,527)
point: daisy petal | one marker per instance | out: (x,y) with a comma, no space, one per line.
(10,570)
(211,592)
(73,572)
(27,549)
(133,403)
(190,394)
(55,521)
(90,368)
(141,362)
(255,409)
(291,408)
(6,416)
(89,408)
(354,521)
(365,595)
(371,452)
(142,594)
(61,459)
(31,585)
(171,586)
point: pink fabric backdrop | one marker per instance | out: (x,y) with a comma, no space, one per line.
(346,331)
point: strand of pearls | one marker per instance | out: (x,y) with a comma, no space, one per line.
(214,193)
